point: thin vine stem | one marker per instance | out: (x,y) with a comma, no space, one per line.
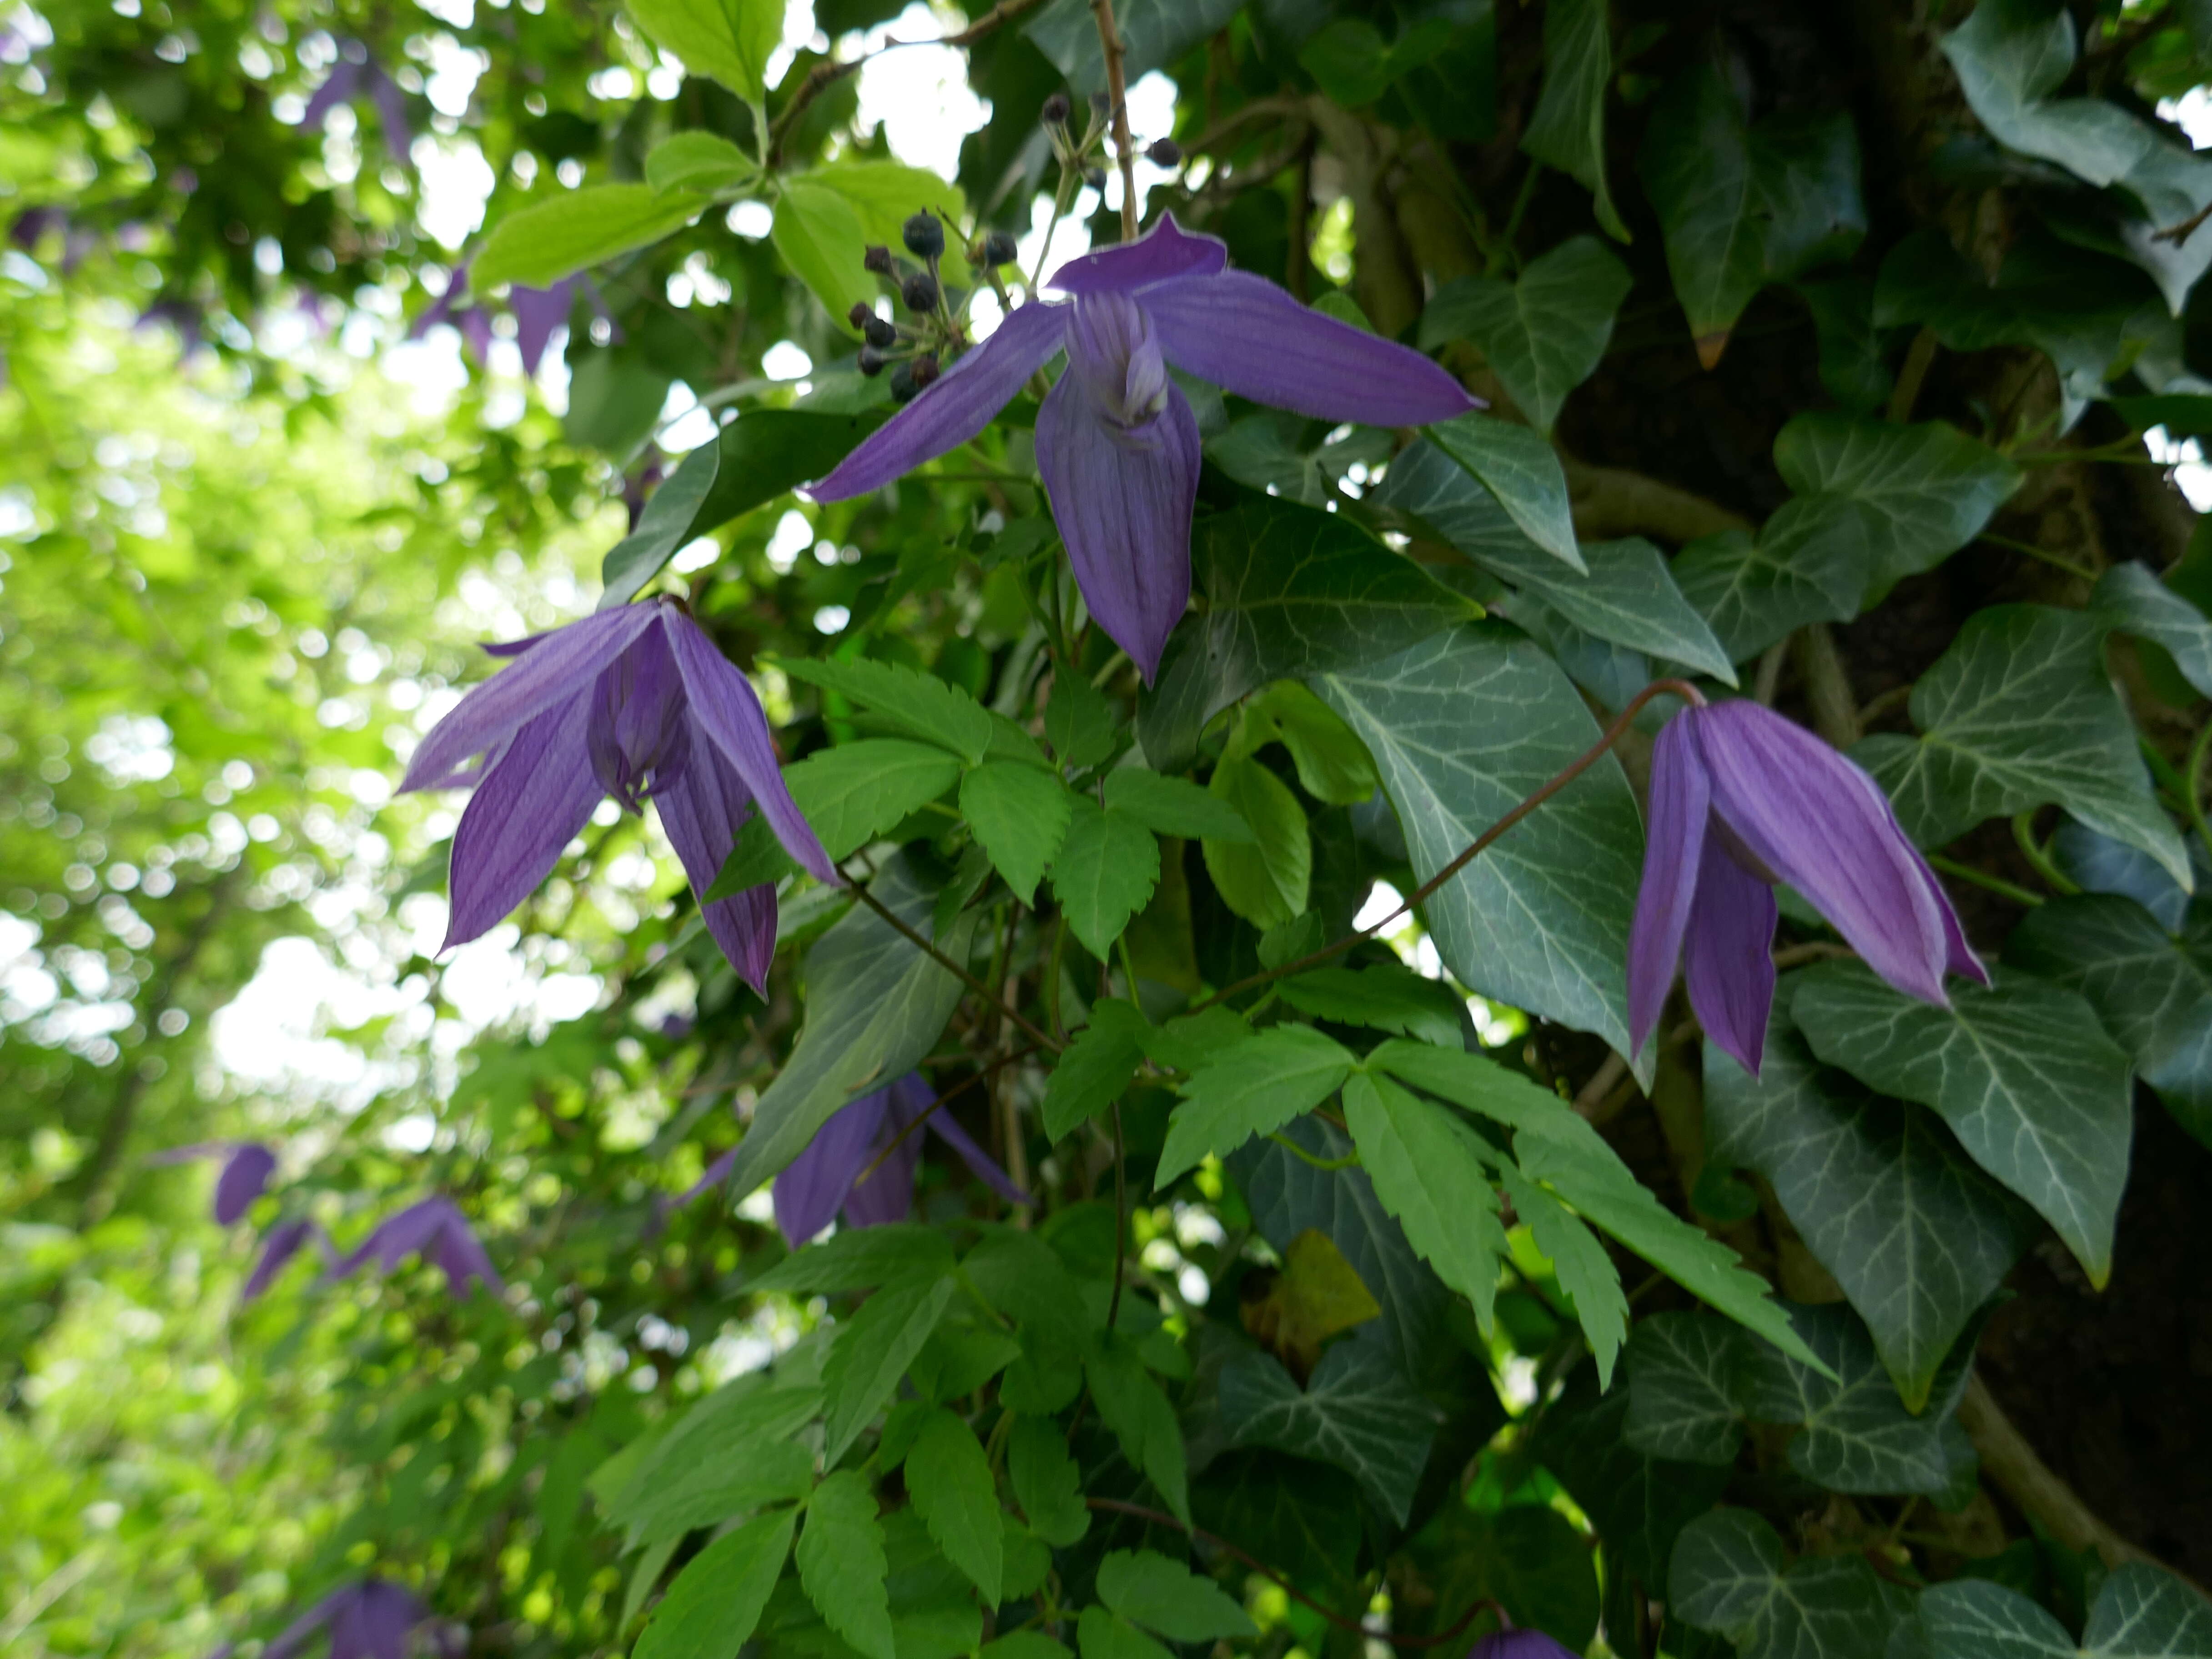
(1996,884)
(954,1092)
(1566,774)
(1117,94)
(860,891)
(1342,1622)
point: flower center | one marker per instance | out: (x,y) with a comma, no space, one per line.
(1111,349)
(639,739)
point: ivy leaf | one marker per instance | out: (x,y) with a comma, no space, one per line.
(712,1609)
(1544,334)
(1154,32)
(842,1564)
(728,39)
(1383,996)
(1168,1598)
(539,245)
(2009,60)
(2131,599)
(2019,714)
(1020,815)
(1290,593)
(1684,1383)
(1756,590)
(1917,1237)
(1173,806)
(2143,1611)
(1527,1558)
(1297,458)
(1567,131)
(905,699)
(1428,1167)
(1103,873)
(1264,875)
(1131,1405)
(1099,1066)
(1726,1574)
(663,527)
(698,160)
(950,1481)
(1046,1484)
(1627,594)
(874,1006)
(2152,990)
(1252,1089)
(1638,1503)
(1462,728)
(872,1350)
(1743,206)
(2036,1093)
(1522,470)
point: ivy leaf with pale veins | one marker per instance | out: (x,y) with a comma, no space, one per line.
(2131,599)
(2009,60)
(1639,1504)
(1544,333)
(1726,1574)
(1291,592)
(2036,1093)
(1357,1412)
(1685,1388)
(1567,131)
(1462,728)
(1251,1089)
(2143,1611)
(1627,595)
(2019,713)
(1754,590)
(2152,990)
(1523,472)
(842,1564)
(1917,1237)
(1429,1169)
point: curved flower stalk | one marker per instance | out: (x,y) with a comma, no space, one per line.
(1742,799)
(831,1176)
(634,702)
(371,1620)
(434,1230)
(1117,441)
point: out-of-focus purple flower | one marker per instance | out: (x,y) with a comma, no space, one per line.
(437,1232)
(187,318)
(1518,1644)
(537,313)
(827,1176)
(282,1244)
(33,225)
(634,702)
(1742,799)
(356,75)
(371,1620)
(248,1165)
(1116,439)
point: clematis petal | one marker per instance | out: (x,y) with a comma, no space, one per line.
(243,1181)
(954,407)
(295,1635)
(1248,337)
(1124,502)
(1674,844)
(886,1195)
(410,1231)
(462,1257)
(1728,960)
(947,1128)
(338,86)
(813,1185)
(1817,822)
(713,1175)
(1518,1644)
(390,112)
(284,1240)
(528,807)
(729,715)
(1162,254)
(375,1624)
(557,667)
(1959,956)
(537,313)
(702,813)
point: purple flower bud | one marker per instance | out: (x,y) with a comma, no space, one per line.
(1518,1644)
(537,313)
(924,235)
(1056,110)
(243,1181)
(371,1620)
(920,291)
(1742,799)
(877,259)
(1164,153)
(283,1243)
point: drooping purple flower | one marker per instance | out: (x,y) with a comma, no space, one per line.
(1518,1644)
(355,75)
(1116,439)
(281,1244)
(435,1230)
(248,1165)
(634,702)
(1742,799)
(828,1176)
(371,1620)
(182,315)
(537,313)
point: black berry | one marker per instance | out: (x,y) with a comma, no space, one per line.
(919,292)
(999,249)
(924,371)
(1165,153)
(879,332)
(924,235)
(859,316)
(871,361)
(1055,111)
(877,259)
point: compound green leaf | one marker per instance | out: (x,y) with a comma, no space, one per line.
(1103,874)
(907,700)
(1585,1271)
(950,1481)
(856,792)
(1132,1405)
(1265,874)
(2036,1093)
(1429,1169)
(856,1258)
(1098,1067)
(1173,806)
(1102,1635)
(1080,723)
(1382,996)
(1021,815)
(1168,1598)
(842,1564)
(1543,334)
(1046,1484)
(710,1611)
(728,39)
(873,1350)
(697,161)
(1252,1089)
(820,239)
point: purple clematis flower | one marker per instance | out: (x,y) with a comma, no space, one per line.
(354,73)
(1742,799)
(281,1244)
(1116,439)
(1518,1644)
(633,702)
(371,1620)
(828,1175)
(248,1165)
(434,1230)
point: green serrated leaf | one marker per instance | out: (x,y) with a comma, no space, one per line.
(1383,997)
(539,245)
(1357,1412)
(950,1481)
(1173,806)
(1103,874)
(1544,333)
(1102,1635)
(873,1350)
(1046,1484)
(856,1258)
(663,527)
(820,238)
(1333,764)
(917,704)
(1252,1089)
(1020,815)
(697,161)
(711,1608)
(1099,1066)
(1266,874)
(2036,1093)
(1567,131)
(1080,723)
(728,39)
(1429,1169)
(1132,1407)
(853,794)
(1585,1271)
(1167,1598)
(842,1564)
(1520,469)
